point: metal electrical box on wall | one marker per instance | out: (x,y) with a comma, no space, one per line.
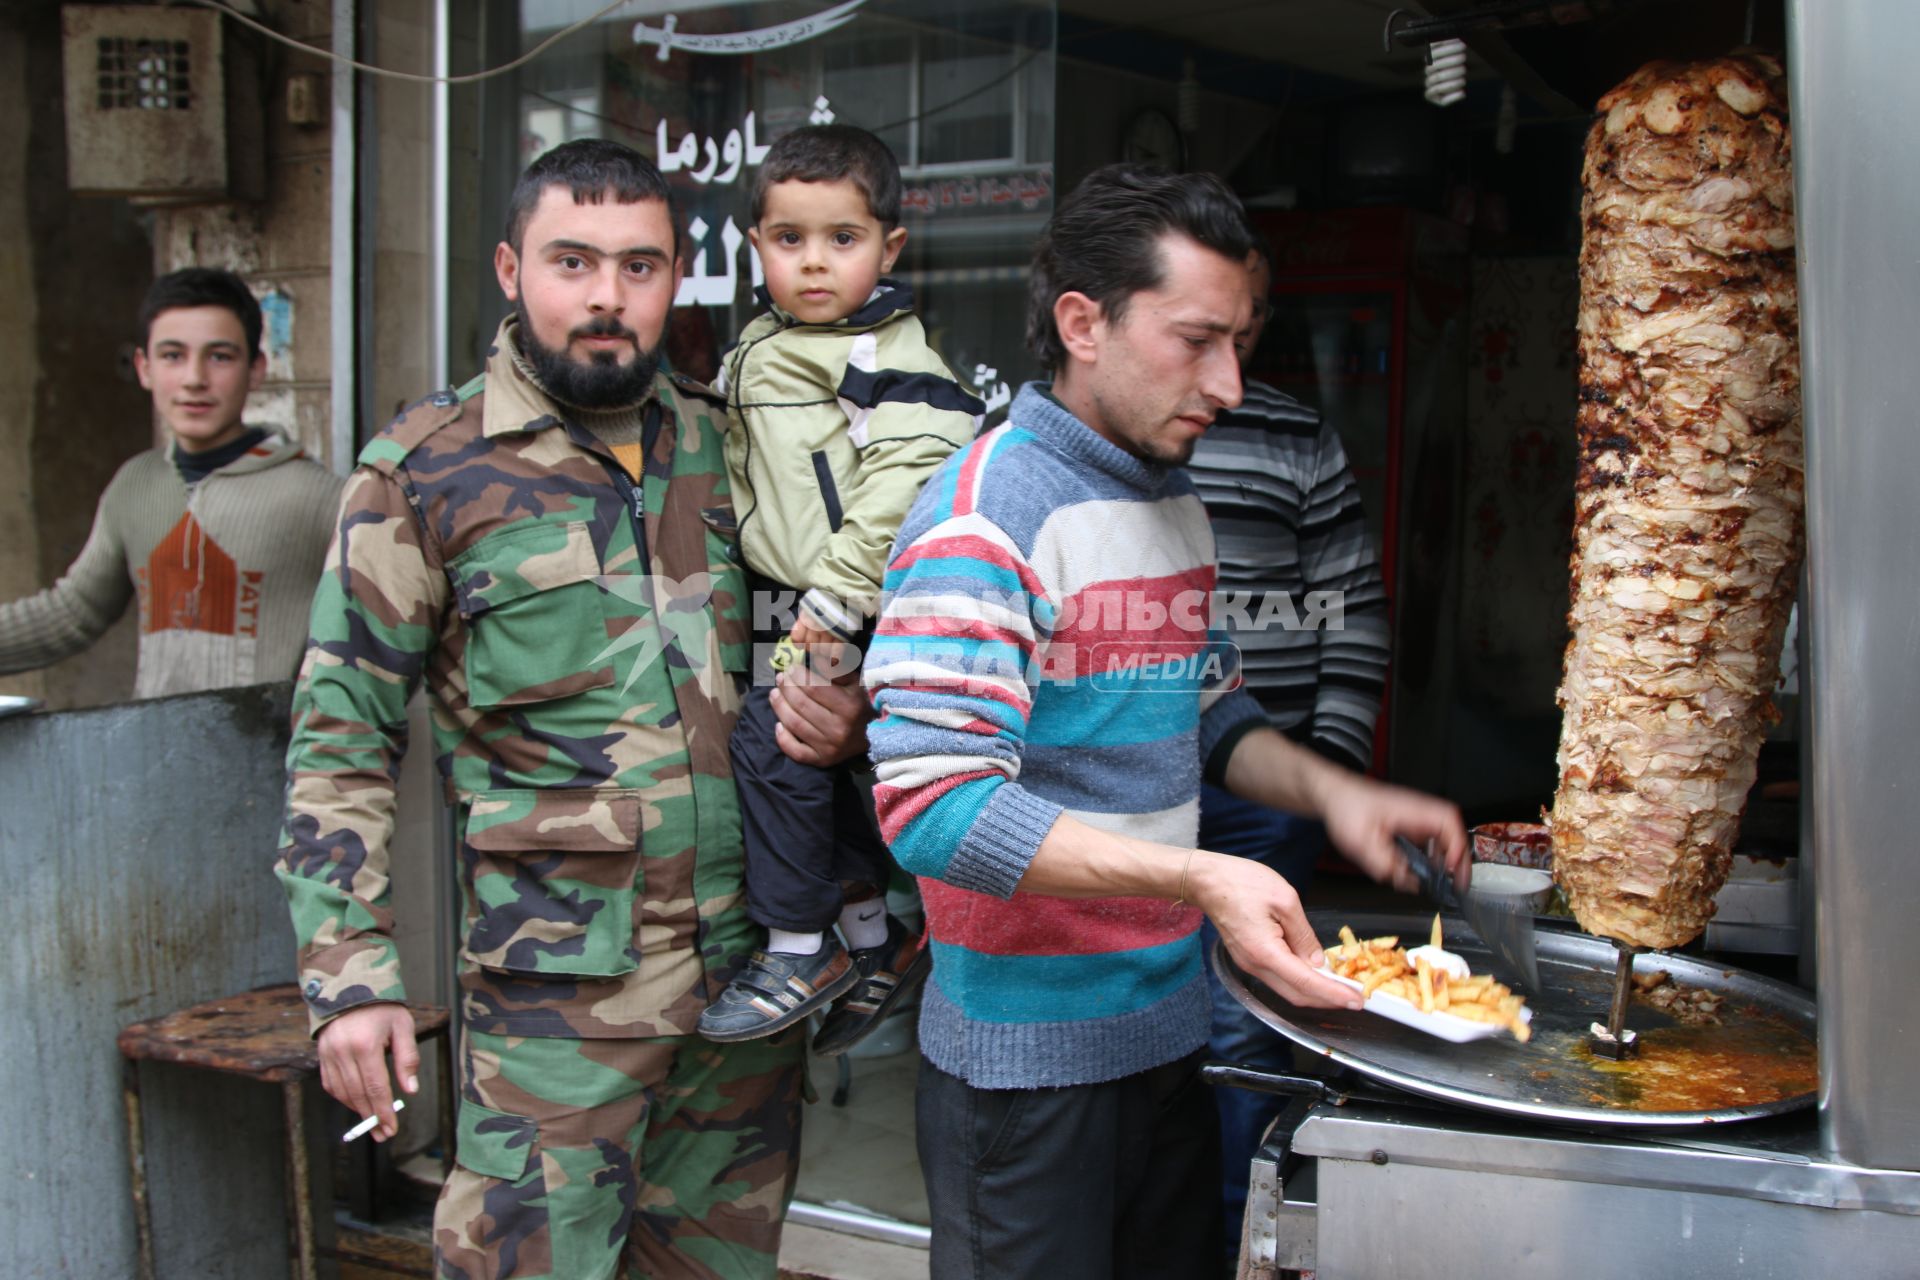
(160,105)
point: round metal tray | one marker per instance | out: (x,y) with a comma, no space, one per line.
(1759,1062)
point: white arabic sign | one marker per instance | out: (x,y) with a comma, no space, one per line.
(701,287)
(737,150)
(741,148)
(997,395)
(669,38)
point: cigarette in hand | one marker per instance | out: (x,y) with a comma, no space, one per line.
(366,1126)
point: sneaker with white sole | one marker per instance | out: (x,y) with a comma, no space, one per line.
(777,989)
(888,974)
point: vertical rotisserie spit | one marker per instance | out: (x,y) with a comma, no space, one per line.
(1688,502)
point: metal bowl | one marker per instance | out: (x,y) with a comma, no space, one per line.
(1525,886)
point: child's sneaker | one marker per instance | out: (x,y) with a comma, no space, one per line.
(888,973)
(776,990)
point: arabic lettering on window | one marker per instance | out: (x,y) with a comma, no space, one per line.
(962,94)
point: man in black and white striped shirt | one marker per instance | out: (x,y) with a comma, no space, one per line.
(1300,593)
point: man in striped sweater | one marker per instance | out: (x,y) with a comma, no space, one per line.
(1050,694)
(1306,610)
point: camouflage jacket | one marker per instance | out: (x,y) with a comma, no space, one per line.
(581,704)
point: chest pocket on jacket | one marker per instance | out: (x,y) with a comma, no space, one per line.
(536,629)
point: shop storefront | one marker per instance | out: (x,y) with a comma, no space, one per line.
(962,92)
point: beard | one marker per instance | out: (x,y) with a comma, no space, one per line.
(1168,453)
(600,381)
(1140,434)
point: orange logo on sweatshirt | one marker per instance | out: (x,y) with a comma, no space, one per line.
(190,584)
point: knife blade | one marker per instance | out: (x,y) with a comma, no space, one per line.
(1503,923)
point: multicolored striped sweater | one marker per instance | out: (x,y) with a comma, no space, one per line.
(1045,648)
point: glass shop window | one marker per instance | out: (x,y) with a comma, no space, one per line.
(962,93)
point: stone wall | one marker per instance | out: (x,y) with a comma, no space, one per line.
(70,409)
(283,243)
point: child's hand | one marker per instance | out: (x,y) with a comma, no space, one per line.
(807,633)
(827,654)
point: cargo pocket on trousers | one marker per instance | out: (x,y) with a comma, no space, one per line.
(494,1144)
(555,877)
(493,1218)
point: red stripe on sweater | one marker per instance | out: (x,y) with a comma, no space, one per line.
(969,474)
(1032,924)
(898,806)
(1174,608)
(973,547)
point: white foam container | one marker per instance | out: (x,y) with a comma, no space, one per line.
(1444,1025)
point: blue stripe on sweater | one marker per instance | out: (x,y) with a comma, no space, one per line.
(993,711)
(929,842)
(1141,777)
(1063,988)
(940,575)
(909,737)
(1067,716)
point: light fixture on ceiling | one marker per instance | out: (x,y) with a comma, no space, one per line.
(1446,72)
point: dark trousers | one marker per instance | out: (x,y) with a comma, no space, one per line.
(1111,1181)
(806,830)
(1290,845)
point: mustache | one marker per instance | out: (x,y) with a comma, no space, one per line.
(604,327)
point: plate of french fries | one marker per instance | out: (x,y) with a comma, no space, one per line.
(1429,988)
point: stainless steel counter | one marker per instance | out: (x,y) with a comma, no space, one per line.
(1365,1191)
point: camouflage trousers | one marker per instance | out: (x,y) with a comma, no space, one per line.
(675,1157)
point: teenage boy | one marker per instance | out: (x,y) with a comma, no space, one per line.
(1051,695)
(838,410)
(221,535)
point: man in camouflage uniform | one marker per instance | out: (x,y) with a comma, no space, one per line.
(551,547)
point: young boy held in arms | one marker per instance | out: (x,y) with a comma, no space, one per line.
(838,411)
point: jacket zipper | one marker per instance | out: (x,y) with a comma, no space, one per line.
(634,495)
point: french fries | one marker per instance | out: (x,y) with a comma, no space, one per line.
(1380,965)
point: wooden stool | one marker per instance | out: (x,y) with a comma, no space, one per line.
(263,1036)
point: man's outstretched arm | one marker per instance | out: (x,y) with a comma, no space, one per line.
(39,630)
(1362,816)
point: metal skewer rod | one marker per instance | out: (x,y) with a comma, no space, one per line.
(1615,1041)
(1622,983)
